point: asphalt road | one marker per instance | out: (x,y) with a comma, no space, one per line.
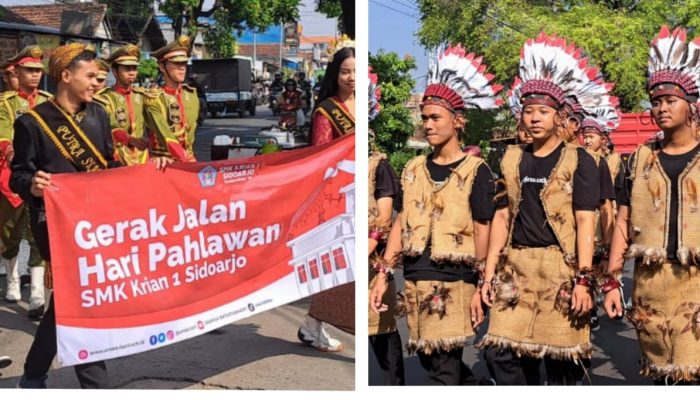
(260,352)
(230,125)
(615,357)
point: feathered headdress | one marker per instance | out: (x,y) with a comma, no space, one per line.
(375,94)
(674,66)
(458,80)
(604,118)
(555,73)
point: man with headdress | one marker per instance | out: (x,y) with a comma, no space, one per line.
(172,110)
(658,209)
(102,73)
(443,227)
(124,103)
(14,215)
(538,275)
(384,191)
(41,151)
(596,92)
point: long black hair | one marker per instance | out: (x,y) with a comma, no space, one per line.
(329,85)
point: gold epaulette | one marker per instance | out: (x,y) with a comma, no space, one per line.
(139,90)
(46,94)
(152,93)
(7,95)
(188,87)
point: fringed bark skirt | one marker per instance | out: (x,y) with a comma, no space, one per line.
(531,313)
(438,315)
(666,314)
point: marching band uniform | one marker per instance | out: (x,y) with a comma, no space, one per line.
(14,215)
(171,113)
(125,107)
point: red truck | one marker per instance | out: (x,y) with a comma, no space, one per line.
(634,129)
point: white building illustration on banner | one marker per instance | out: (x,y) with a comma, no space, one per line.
(324,257)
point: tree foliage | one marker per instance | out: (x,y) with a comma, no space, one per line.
(615,34)
(229,16)
(148,68)
(394,125)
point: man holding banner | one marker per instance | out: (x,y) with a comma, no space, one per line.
(68,134)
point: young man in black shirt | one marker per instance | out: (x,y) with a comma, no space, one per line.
(444,223)
(537,276)
(657,222)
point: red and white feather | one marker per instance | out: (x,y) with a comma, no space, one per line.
(551,59)
(464,74)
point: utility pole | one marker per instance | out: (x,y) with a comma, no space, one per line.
(281,43)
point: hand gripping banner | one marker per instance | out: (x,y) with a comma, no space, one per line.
(144,258)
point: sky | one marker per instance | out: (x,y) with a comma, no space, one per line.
(391,29)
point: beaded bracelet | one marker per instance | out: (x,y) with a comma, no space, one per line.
(584,278)
(608,283)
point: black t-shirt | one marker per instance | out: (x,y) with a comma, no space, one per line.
(607,189)
(386,182)
(422,268)
(672,165)
(531,227)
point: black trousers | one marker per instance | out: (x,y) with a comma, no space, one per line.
(508,369)
(43,350)
(387,348)
(444,368)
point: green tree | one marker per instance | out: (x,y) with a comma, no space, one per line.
(615,34)
(333,9)
(394,125)
(229,16)
(148,68)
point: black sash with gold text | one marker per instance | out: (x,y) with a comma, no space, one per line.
(341,120)
(70,140)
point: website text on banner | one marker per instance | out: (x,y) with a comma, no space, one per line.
(143,258)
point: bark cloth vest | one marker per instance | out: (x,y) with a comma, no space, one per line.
(385,322)
(651,194)
(440,212)
(556,196)
(666,311)
(531,312)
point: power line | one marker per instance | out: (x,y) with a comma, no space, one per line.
(393,9)
(498,21)
(404,6)
(408,3)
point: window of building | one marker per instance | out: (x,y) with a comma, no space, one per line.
(339,258)
(326,263)
(313,268)
(301,273)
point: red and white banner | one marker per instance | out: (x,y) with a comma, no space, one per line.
(143,258)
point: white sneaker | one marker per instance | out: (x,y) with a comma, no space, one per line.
(325,342)
(308,331)
(12,293)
